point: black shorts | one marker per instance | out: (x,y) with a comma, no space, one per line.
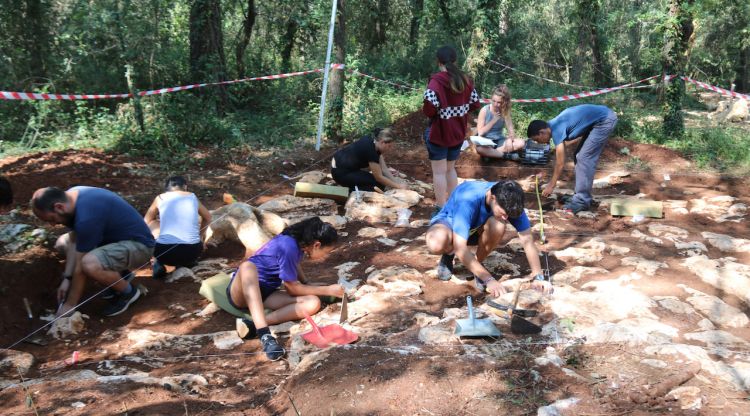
(265,292)
(178,255)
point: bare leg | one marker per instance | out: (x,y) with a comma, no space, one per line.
(245,292)
(488,151)
(290,308)
(439,182)
(439,239)
(451,178)
(93,269)
(491,234)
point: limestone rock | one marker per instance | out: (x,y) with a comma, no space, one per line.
(179,273)
(439,334)
(371,232)
(314,176)
(376,207)
(643,237)
(648,267)
(501,263)
(292,207)
(590,307)
(209,268)
(716,309)
(555,408)
(387,241)
(706,324)
(226,340)
(424,319)
(12,362)
(737,373)
(237,222)
(717,338)
(550,357)
(690,248)
(575,274)
(654,363)
(589,252)
(689,397)
(634,331)
(618,250)
(674,305)
(727,243)
(67,326)
(613,178)
(678,207)
(667,231)
(344,269)
(724,274)
(398,280)
(737,111)
(339,222)
(719,208)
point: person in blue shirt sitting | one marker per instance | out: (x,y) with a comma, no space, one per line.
(477,213)
(587,125)
(257,284)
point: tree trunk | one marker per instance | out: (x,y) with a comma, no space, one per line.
(381,22)
(244,37)
(676,48)
(597,58)
(447,16)
(37,38)
(335,117)
(207,63)
(482,41)
(290,35)
(417,8)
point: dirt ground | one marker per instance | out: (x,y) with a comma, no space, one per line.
(388,376)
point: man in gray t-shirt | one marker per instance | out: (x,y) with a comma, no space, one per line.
(108,237)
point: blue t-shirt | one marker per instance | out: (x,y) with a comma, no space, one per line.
(577,121)
(102,217)
(466,210)
(277,261)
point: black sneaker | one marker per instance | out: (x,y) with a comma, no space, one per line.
(445,267)
(111,293)
(120,303)
(271,347)
(158,271)
(245,328)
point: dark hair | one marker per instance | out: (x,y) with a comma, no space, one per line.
(382,134)
(48,198)
(6,192)
(446,55)
(509,195)
(175,183)
(310,230)
(535,127)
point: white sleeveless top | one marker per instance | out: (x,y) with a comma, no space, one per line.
(178,214)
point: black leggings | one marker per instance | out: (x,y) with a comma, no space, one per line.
(365,181)
(179,255)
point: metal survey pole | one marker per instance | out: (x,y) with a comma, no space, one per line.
(325,74)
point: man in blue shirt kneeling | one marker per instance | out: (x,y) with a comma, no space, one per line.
(477,213)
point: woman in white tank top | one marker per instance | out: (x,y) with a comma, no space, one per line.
(179,228)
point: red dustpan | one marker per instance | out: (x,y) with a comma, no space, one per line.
(325,336)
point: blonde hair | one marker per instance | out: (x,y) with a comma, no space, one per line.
(502,91)
(384,135)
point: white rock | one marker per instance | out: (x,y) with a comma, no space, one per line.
(591,307)
(706,324)
(634,332)
(690,248)
(648,267)
(689,397)
(501,263)
(209,310)
(371,232)
(67,326)
(618,250)
(716,309)
(288,206)
(12,362)
(724,274)
(437,334)
(388,242)
(344,269)
(727,243)
(337,221)
(245,224)
(716,338)
(397,280)
(314,176)
(179,273)
(375,207)
(78,405)
(586,214)
(667,231)
(555,408)
(737,111)
(424,319)
(226,340)
(643,237)
(589,252)
(737,373)
(674,305)
(550,357)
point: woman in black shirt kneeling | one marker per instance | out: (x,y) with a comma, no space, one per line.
(362,163)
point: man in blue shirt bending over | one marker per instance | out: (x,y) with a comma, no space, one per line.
(108,238)
(476,214)
(588,125)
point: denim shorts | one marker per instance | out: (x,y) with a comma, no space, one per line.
(436,152)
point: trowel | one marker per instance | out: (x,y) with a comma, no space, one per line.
(473,327)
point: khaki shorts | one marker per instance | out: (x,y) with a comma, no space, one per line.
(123,255)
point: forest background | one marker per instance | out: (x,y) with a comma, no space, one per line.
(116,46)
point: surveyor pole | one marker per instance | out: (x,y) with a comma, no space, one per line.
(325,74)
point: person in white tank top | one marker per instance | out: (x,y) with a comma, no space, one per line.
(180,227)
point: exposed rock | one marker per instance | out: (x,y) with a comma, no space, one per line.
(736,373)
(648,267)
(575,273)
(67,326)
(237,222)
(424,319)
(706,324)
(337,221)
(526,297)
(9,232)
(689,397)
(737,111)
(314,176)
(716,338)
(550,357)
(209,268)
(618,250)
(678,207)
(226,340)
(292,207)
(590,307)
(613,178)
(501,263)
(388,242)
(179,273)
(719,208)
(439,334)
(674,305)
(634,332)
(345,268)
(12,362)
(398,280)
(716,309)
(375,207)
(371,232)
(667,231)
(643,237)
(589,252)
(586,214)
(209,310)
(654,363)
(727,243)
(187,383)
(555,408)
(724,274)
(690,248)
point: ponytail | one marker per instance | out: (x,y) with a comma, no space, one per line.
(446,55)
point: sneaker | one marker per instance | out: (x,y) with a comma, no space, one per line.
(120,303)
(111,293)
(445,267)
(245,328)
(271,347)
(158,271)
(574,207)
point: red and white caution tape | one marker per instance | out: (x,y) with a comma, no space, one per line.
(8,95)
(722,91)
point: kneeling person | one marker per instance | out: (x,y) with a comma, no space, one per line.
(476,214)
(108,239)
(255,285)
(362,163)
